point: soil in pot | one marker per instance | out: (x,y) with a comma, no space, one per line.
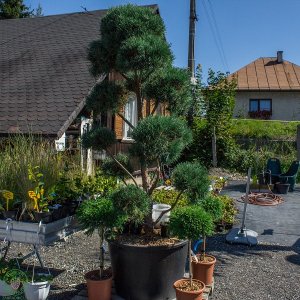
(45,217)
(184,291)
(99,288)
(203,270)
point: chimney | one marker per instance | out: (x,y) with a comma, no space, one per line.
(279,57)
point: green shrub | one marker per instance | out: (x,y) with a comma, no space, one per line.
(229,209)
(131,202)
(169,196)
(191,178)
(214,206)
(190,222)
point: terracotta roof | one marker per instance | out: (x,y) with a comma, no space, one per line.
(266,73)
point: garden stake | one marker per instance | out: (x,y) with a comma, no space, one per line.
(243,235)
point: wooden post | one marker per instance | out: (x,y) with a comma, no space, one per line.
(214,148)
(298,142)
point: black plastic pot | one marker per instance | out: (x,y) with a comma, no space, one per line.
(147,273)
(282,188)
(10,214)
(45,217)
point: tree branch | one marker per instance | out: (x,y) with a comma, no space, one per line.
(122,167)
(150,191)
(125,120)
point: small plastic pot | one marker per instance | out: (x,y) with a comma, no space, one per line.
(6,289)
(36,290)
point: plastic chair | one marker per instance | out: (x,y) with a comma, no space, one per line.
(291,175)
(274,166)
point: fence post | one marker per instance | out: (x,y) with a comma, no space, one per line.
(298,142)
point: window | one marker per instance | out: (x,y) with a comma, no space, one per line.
(260,105)
(130,115)
(260,108)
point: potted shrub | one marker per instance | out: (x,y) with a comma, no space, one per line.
(38,196)
(203,267)
(133,51)
(99,215)
(189,223)
(38,287)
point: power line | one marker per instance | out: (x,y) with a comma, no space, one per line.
(218,32)
(216,38)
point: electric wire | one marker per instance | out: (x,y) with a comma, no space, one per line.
(210,6)
(213,30)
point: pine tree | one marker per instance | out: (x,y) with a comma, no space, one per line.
(14,9)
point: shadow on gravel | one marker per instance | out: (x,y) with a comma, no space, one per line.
(218,243)
(295,258)
(64,295)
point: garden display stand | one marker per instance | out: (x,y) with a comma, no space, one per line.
(35,233)
(243,235)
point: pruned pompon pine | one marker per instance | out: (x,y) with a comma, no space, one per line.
(132,61)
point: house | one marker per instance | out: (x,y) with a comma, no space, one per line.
(45,78)
(268,88)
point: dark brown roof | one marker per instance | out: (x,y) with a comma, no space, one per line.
(44,71)
(266,73)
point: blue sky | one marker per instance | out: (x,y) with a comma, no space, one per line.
(248,29)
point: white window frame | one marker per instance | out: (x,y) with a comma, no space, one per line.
(131,116)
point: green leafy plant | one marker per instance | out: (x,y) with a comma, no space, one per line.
(229,209)
(99,215)
(167,196)
(38,195)
(131,202)
(189,223)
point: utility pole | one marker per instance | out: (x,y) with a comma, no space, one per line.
(192,31)
(191,55)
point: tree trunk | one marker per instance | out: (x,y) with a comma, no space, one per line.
(214,148)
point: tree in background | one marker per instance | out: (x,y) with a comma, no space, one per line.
(39,11)
(215,103)
(14,9)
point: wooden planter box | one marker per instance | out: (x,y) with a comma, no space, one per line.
(32,233)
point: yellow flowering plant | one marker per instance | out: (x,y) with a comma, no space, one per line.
(37,195)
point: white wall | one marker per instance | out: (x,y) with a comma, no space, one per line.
(285,105)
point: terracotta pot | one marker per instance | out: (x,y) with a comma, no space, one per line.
(204,270)
(98,289)
(188,295)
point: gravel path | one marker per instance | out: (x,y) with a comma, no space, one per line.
(263,272)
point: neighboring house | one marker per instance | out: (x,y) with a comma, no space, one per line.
(268,88)
(44,77)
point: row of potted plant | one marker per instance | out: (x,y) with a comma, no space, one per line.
(54,202)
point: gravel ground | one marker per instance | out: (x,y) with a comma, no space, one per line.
(262,272)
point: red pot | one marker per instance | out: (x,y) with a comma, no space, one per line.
(188,295)
(204,270)
(98,289)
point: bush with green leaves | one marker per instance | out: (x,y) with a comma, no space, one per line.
(191,222)
(168,196)
(131,202)
(192,179)
(99,215)
(214,206)
(229,209)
